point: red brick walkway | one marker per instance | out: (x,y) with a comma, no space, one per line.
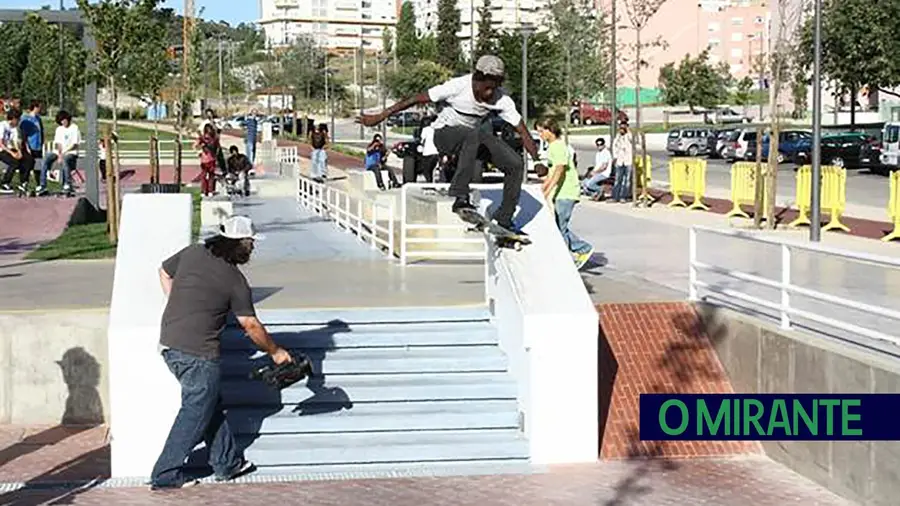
(655,348)
(25,224)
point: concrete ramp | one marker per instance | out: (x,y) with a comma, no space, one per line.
(655,348)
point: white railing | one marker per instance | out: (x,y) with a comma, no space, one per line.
(787,287)
(349,212)
(288,155)
(405,227)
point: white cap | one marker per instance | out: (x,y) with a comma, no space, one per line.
(239,227)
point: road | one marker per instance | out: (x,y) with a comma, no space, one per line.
(863,188)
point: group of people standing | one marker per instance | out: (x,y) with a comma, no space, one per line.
(212,157)
(22,144)
(615,166)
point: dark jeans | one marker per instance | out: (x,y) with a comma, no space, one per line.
(22,165)
(467,144)
(622,188)
(70,164)
(200,418)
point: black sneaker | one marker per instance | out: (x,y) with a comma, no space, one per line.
(508,225)
(175,486)
(245,468)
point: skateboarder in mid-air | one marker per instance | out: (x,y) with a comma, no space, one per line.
(461,129)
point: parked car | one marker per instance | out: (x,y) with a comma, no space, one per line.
(736,147)
(890,146)
(715,143)
(725,115)
(405,119)
(690,141)
(594,114)
(841,150)
(789,143)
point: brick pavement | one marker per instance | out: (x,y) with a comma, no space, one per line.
(28,223)
(656,347)
(731,481)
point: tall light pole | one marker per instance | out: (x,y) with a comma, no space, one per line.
(472,33)
(526,30)
(62,63)
(614,116)
(815,227)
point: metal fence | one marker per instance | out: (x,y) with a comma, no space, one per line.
(454,238)
(349,212)
(831,310)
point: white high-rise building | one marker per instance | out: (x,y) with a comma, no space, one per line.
(506,15)
(340,25)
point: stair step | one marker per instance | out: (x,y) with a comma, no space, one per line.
(372,388)
(372,417)
(373,315)
(397,447)
(381,361)
(368,335)
(387,470)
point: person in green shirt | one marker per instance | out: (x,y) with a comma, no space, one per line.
(562,189)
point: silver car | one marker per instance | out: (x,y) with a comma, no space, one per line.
(688,141)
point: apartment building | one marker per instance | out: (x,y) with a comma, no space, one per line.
(339,25)
(506,15)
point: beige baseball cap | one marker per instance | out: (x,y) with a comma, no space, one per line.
(490,65)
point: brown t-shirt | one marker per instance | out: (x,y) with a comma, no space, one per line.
(205,289)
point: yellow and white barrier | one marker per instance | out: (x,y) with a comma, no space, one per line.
(833,195)
(643,175)
(743,189)
(894,207)
(687,176)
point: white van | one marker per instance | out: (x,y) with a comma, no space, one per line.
(890,141)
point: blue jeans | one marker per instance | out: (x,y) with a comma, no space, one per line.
(591,186)
(622,188)
(200,418)
(319,159)
(250,149)
(564,210)
(69,164)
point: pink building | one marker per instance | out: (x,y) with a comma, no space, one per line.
(735,31)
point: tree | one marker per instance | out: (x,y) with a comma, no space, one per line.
(450,54)
(580,33)
(428,48)
(387,41)
(413,79)
(486,41)
(407,38)
(859,46)
(743,93)
(546,79)
(695,82)
(126,36)
(639,13)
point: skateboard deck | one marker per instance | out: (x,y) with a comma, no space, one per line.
(284,375)
(502,237)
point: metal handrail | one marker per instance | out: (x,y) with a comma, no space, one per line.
(332,203)
(787,287)
(405,227)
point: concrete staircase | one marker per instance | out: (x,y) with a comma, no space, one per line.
(396,390)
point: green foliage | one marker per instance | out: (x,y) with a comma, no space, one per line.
(30,63)
(413,79)
(387,41)
(407,38)
(582,37)
(695,82)
(743,92)
(859,44)
(546,72)
(428,48)
(486,41)
(450,55)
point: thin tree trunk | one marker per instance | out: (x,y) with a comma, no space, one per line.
(759,200)
(637,113)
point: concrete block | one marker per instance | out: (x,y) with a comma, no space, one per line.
(811,365)
(851,469)
(776,362)
(742,361)
(214,212)
(886,473)
(849,376)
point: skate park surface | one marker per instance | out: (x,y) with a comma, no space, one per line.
(306,262)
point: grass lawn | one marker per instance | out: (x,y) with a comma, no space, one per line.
(91,241)
(126,132)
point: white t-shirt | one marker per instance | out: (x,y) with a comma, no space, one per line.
(10,136)
(428,147)
(603,157)
(67,137)
(462,108)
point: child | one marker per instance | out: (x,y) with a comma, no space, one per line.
(562,189)
(209,144)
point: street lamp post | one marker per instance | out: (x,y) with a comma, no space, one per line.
(815,227)
(526,30)
(614,101)
(62,63)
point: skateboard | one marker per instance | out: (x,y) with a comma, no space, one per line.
(502,237)
(284,375)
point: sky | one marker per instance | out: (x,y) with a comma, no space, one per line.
(232,11)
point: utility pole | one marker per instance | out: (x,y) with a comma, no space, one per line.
(221,72)
(472,33)
(614,101)
(815,227)
(187,33)
(62,63)
(526,31)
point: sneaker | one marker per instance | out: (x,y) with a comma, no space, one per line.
(581,259)
(186,484)
(41,191)
(6,189)
(246,467)
(22,188)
